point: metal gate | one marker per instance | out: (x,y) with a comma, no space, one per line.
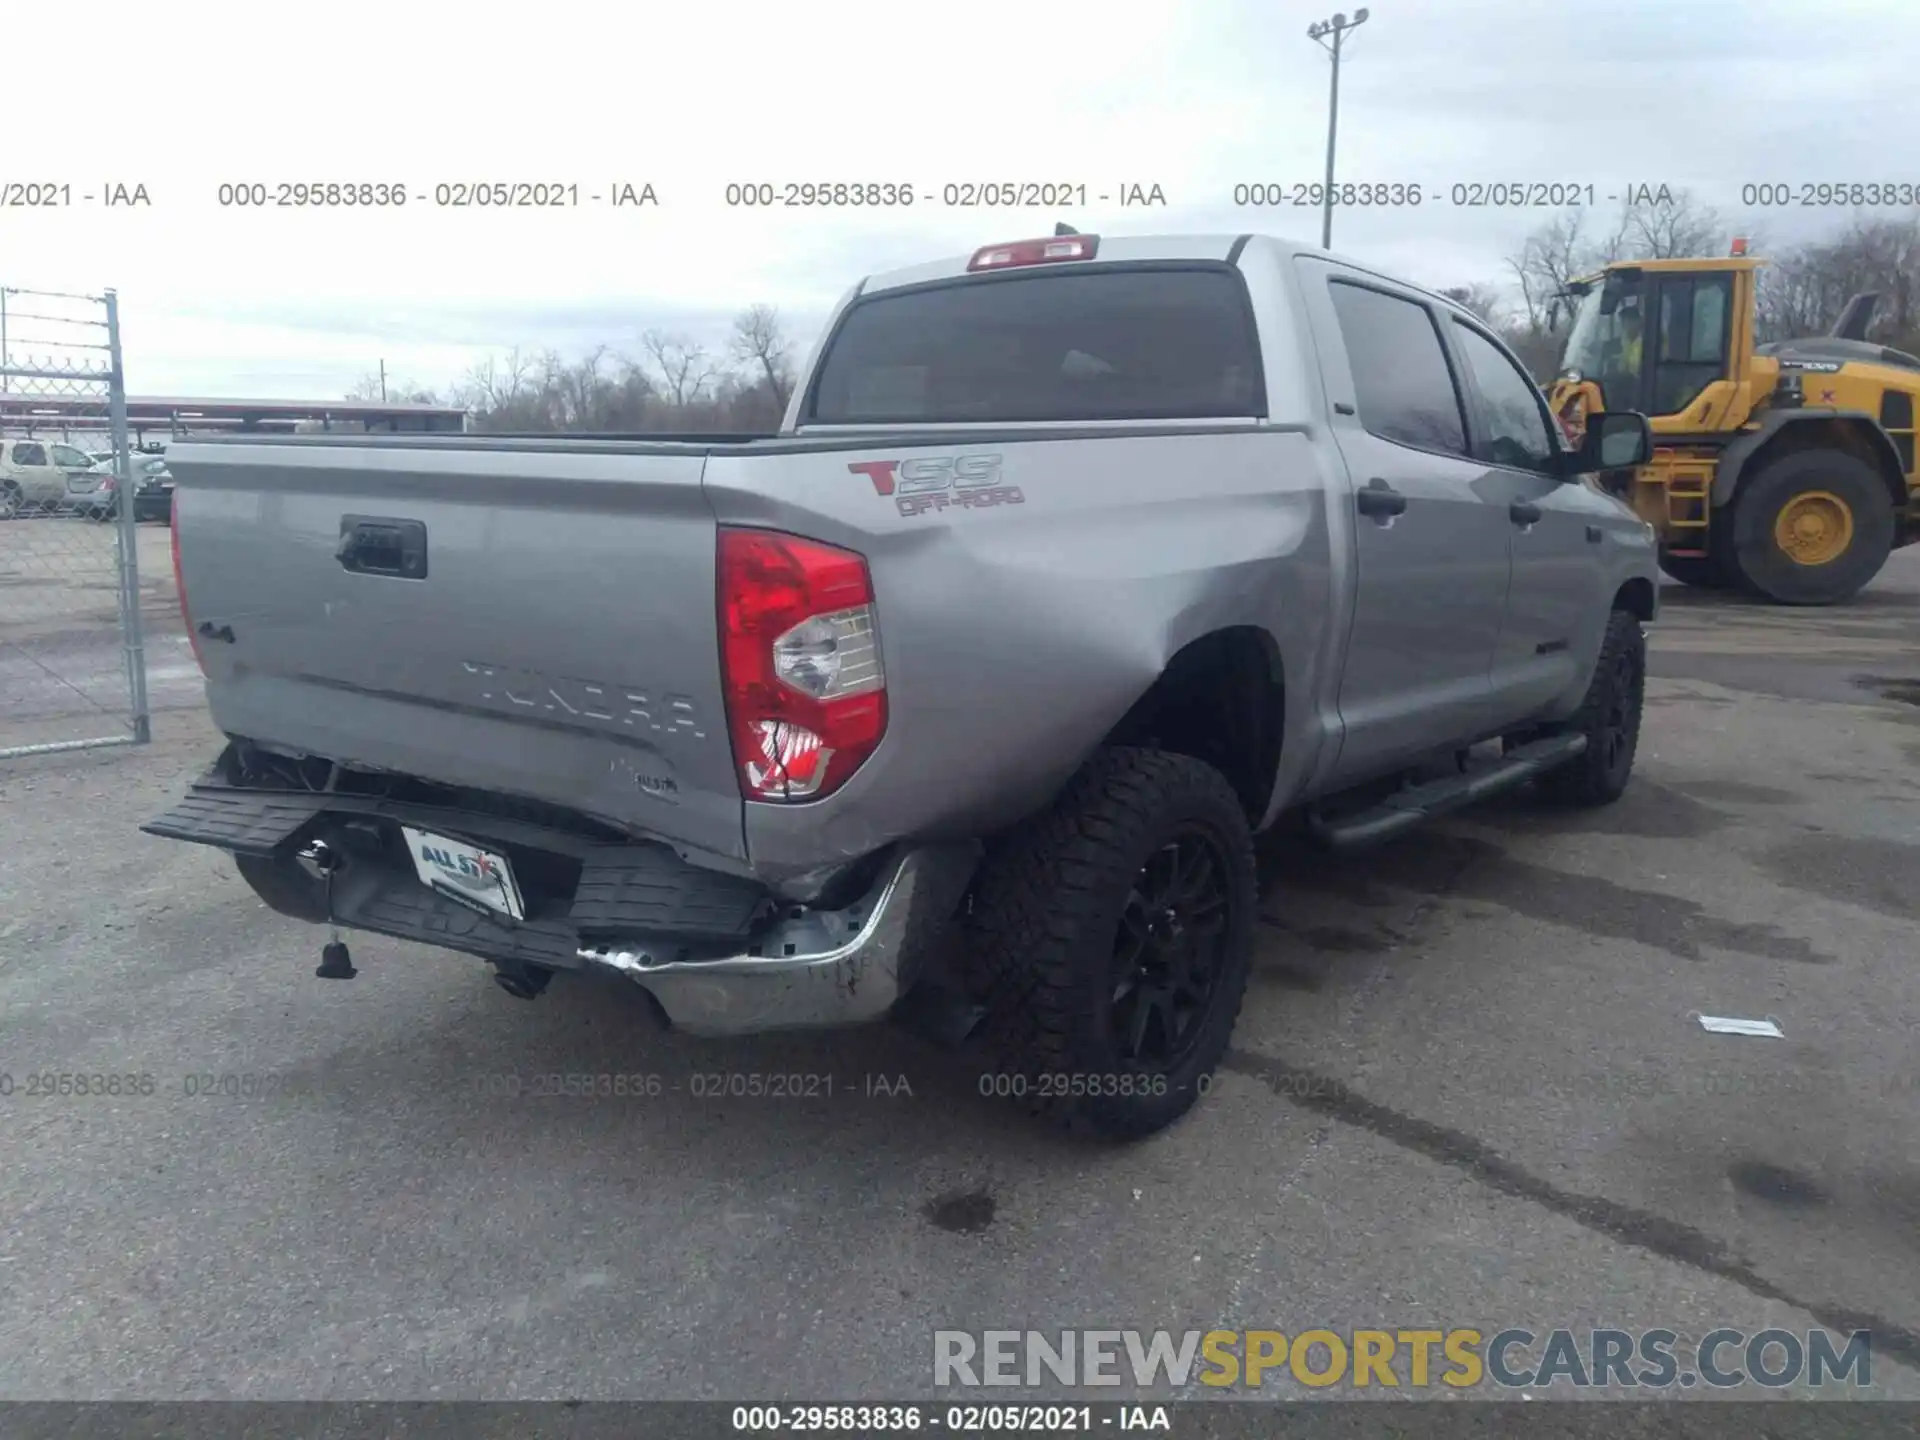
(73,671)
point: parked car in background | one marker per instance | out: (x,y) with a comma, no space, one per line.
(152,490)
(35,475)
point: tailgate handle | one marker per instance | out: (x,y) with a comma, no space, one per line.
(376,545)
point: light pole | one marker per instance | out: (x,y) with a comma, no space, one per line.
(1337,27)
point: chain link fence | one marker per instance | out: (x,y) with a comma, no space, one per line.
(73,496)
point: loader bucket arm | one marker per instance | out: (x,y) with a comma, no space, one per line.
(1855,316)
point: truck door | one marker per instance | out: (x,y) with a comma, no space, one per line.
(1554,612)
(1429,534)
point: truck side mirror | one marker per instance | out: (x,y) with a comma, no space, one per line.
(1613,440)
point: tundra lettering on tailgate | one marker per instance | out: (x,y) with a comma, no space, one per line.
(505,688)
(928,482)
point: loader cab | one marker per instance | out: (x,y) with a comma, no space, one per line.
(1660,339)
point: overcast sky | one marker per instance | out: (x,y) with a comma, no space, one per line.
(1192,95)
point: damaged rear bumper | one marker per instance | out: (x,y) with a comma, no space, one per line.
(813,967)
(720,953)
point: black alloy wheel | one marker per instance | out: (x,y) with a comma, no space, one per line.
(1620,725)
(1169,951)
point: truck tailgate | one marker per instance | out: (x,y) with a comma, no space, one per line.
(449,612)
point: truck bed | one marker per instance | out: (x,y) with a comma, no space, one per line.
(563,642)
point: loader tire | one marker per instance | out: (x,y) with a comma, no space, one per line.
(1702,572)
(1109,941)
(1812,528)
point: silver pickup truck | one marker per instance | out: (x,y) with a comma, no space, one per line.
(1076,563)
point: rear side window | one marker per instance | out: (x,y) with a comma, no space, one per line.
(1401,377)
(1174,344)
(29,453)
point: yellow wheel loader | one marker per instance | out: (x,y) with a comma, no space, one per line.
(1784,470)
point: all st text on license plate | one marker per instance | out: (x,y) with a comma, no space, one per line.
(479,879)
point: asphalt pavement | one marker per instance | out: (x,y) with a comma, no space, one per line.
(1469,1088)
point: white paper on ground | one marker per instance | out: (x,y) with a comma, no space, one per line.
(1727,1025)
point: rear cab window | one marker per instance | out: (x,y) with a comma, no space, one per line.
(1403,384)
(1162,342)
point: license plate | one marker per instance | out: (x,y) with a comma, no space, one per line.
(479,879)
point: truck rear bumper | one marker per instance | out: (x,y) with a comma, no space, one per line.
(721,955)
(813,967)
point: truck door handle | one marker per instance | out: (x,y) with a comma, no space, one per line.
(1380,500)
(377,545)
(1522,513)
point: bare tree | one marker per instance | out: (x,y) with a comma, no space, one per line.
(1477,299)
(1671,227)
(758,340)
(371,389)
(683,365)
(1802,291)
(580,387)
(1548,260)
(493,385)
(674,385)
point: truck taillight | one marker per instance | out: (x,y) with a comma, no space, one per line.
(180,585)
(1034,252)
(806,694)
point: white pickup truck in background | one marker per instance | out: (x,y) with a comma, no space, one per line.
(36,475)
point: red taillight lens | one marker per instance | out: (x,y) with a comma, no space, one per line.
(1034,252)
(806,695)
(180,585)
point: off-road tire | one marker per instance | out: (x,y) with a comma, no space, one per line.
(1769,571)
(1039,942)
(1609,717)
(11,501)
